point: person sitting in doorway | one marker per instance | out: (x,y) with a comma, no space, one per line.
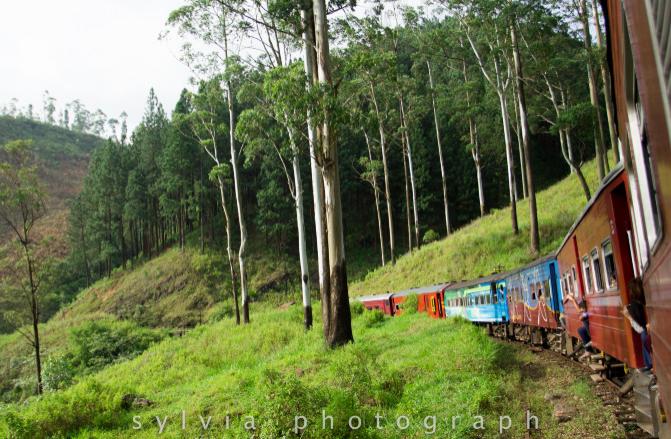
(634,311)
(583,331)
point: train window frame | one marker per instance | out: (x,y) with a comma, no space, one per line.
(597,264)
(604,244)
(569,283)
(587,273)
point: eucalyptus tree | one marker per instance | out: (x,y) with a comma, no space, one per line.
(371,65)
(555,63)
(276,122)
(516,15)
(49,107)
(582,12)
(338,321)
(206,121)
(214,23)
(605,81)
(484,27)
(22,205)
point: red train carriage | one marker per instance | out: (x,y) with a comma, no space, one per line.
(639,51)
(595,263)
(429,299)
(383,302)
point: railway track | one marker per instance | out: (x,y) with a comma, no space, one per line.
(607,389)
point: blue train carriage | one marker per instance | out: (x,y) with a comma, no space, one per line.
(484,302)
(535,300)
(455,302)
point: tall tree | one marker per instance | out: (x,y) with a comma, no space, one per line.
(500,82)
(524,128)
(335,307)
(21,207)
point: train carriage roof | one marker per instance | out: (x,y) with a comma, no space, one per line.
(612,175)
(372,297)
(482,280)
(539,261)
(423,290)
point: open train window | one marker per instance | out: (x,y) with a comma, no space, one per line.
(569,283)
(574,281)
(587,272)
(609,264)
(598,273)
(547,289)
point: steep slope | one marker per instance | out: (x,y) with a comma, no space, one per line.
(63,161)
(272,371)
(487,244)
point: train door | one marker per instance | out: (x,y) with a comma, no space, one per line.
(618,260)
(554,291)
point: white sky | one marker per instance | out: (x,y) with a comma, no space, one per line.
(106,53)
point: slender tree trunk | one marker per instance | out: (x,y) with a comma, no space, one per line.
(411,168)
(310,66)
(339,326)
(475,145)
(520,143)
(565,140)
(593,94)
(505,117)
(443,178)
(36,338)
(201,208)
(408,216)
(605,77)
(229,250)
(385,169)
(238,197)
(300,224)
(376,192)
(35,314)
(524,127)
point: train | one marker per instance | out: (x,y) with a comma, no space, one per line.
(623,234)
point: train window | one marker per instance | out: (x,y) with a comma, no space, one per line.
(587,272)
(573,276)
(609,263)
(547,289)
(598,274)
(539,288)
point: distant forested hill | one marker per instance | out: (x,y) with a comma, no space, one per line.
(62,157)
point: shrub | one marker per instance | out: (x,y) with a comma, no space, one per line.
(430,236)
(59,372)
(99,343)
(410,304)
(356,308)
(374,318)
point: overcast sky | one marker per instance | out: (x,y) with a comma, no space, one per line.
(105,53)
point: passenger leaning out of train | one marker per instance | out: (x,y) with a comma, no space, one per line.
(583,331)
(635,313)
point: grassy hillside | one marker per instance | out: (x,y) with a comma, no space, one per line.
(176,290)
(273,371)
(487,244)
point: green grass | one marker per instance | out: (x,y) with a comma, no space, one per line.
(273,370)
(487,244)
